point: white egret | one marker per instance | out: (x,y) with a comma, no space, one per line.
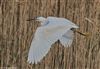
(51,30)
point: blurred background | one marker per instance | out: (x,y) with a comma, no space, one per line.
(16,33)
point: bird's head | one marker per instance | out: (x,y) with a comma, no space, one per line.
(40,19)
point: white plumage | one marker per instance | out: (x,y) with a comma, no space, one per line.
(51,30)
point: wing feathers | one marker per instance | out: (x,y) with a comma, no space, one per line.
(67,38)
(38,50)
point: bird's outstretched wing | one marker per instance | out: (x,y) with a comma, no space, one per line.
(39,47)
(67,38)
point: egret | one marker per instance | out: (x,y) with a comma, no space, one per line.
(51,30)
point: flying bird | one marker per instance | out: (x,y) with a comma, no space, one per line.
(51,30)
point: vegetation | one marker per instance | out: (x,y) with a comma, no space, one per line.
(16,33)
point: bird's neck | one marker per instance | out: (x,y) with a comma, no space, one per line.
(44,23)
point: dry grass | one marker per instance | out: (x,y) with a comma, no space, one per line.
(16,33)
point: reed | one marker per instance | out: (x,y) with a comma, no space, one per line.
(16,33)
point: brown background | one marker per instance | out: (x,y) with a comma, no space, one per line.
(16,33)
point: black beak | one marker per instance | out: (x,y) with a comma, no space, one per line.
(31,19)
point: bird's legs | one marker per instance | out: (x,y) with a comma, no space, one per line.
(84,34)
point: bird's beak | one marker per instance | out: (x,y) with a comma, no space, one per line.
(31,19)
